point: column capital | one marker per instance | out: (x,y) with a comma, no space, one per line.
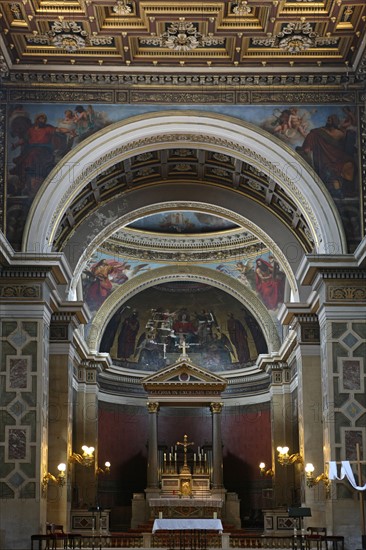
(216,408)
(152,406)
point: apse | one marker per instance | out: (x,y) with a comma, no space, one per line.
(148,331)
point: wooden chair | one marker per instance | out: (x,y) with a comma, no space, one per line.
(56,533)
(315,538)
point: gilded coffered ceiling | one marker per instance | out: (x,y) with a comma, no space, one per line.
(249,35)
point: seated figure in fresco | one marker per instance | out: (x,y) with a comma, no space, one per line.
(37,151)
(269,282)
(184,328)
(329,150)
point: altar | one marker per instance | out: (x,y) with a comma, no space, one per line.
(184,477)
(184,524)
(175,507)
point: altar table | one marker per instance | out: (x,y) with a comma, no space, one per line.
(184,524)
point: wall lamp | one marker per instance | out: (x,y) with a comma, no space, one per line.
(86,459)
(311,480)
(263,471)
(285,459)
(59,479)
(105,470)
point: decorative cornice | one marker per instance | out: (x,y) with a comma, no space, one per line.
(182,79)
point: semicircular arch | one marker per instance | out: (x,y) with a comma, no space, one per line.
(184,273)
(88,251)
(206,130)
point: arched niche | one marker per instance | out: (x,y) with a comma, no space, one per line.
(184,273)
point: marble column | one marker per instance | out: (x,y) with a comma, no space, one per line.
(27,296)
(152,461)
(283,421)
(63,357)
(310,399)
(340,304)
(85,426)
(217,459)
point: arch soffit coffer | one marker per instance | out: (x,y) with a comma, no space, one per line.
(184,273)
(213,132)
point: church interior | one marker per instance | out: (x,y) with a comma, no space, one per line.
(182,273)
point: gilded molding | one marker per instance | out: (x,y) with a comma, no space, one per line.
(2,172)
(152,407)
(188,80)
(63,96)
(216,408)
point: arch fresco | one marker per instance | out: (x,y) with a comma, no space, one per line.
(119,299)
(236,138)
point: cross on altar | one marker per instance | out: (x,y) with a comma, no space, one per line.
(185,444)
(183,346)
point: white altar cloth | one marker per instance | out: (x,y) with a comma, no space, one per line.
(196,502)
(180,524)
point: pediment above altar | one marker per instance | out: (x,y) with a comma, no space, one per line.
(183,380)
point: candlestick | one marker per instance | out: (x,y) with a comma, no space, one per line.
(175,457)
(164,457)
(170,457)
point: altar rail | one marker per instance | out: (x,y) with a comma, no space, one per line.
(176,541)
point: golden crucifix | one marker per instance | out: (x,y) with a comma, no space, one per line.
(185,444)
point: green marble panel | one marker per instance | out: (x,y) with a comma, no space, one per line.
(5,350)
(31,349)
(30,327)
(28,491)
(30,419)
(5,491)
(5,397)
(360,329)
(338,329)
(8,327)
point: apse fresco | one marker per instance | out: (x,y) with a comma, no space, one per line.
(148,331)
(39,136)
(182,222)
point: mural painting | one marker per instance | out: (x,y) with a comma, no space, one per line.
(105,273)
(183,222)
(39,136)
(148,331)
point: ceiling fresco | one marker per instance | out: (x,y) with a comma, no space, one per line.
(182,223)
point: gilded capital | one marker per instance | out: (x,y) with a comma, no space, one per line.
(152,407)
(216,407)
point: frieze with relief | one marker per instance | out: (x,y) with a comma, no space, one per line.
(20,291)
(353,293)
